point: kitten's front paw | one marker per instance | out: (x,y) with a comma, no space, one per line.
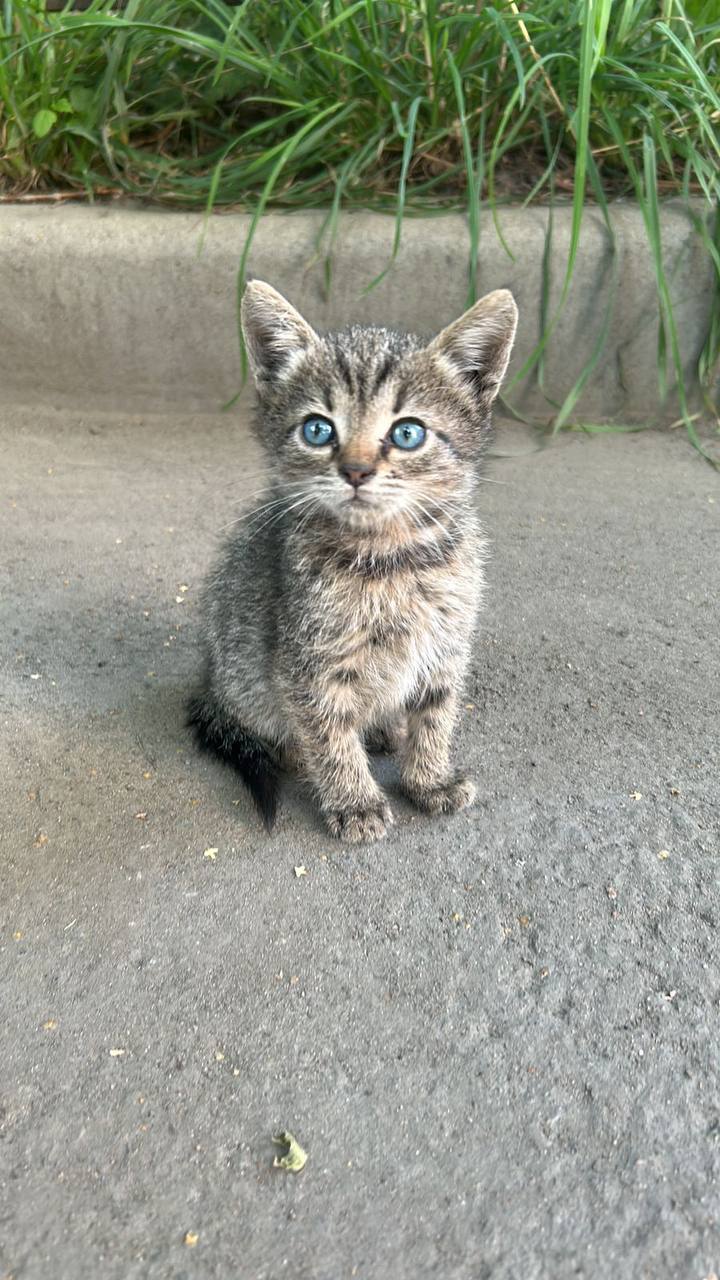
(357,825)
(450,796)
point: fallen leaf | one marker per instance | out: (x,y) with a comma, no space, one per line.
(211,854)
(50,1025)
(301,871)
(147,774)
(523,921)
(674,791)
(40,839)
(295,1158)
(190,1239)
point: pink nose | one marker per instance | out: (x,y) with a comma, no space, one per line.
(356,473)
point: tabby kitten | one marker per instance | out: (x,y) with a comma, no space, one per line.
(340,616)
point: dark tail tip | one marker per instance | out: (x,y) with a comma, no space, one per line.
(222,737)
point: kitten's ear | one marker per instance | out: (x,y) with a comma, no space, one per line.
(275,333)
(478,345)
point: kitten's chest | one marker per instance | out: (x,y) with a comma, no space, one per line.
(393,633)
(370,628)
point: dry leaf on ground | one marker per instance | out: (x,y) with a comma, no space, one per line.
(295,1157)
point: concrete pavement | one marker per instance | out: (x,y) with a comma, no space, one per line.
(495,1035)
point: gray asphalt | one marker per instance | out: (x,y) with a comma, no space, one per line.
(495,1035)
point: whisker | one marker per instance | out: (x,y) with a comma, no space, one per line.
(258,511)
(278,515)
(444,508)
(314,504)
(429,516)
(281,497)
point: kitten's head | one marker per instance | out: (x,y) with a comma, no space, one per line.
(370,425)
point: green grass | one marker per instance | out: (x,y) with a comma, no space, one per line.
(404,105)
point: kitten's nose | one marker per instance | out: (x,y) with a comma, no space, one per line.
(356,473)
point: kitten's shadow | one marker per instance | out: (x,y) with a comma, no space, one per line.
(152,725)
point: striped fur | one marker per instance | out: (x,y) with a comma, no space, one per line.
(340,617)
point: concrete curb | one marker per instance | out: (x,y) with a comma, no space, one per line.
(119,307)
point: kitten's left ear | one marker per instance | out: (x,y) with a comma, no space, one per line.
(478,345)
(274,332)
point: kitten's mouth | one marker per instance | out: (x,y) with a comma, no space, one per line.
(358,499)
(358,508)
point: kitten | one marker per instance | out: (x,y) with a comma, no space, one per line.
(340,617)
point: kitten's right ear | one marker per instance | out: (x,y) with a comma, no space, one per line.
(275,333)
(478,345)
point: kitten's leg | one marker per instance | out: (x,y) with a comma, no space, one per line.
(352,804)
(425,772)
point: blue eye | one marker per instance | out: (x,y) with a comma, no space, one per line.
(408,435)
(317,430)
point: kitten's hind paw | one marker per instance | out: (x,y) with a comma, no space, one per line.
(354,826)
(450,796)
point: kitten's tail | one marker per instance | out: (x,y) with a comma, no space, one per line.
(223,737)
